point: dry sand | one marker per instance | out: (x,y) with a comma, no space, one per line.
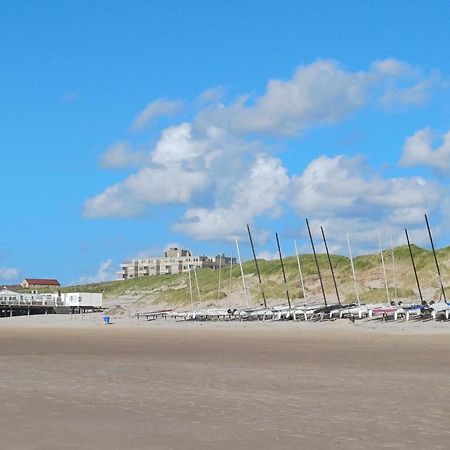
(78,384)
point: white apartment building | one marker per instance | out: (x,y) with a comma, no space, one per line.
(175,260)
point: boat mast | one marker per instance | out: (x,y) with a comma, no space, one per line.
(284,273)
(218,289)
(190,289)
(300,273)
(384,270)
(331,266)
(414,266)
(393,268)
(242,273)
(435,259)
(231,277)
(257,268)
(353,271)
(317,263)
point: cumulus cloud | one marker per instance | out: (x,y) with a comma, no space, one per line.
(393,67)
(216,168)
(193,148)
(120,156)
(9,273)
(418,94)
(320,93)
(182,164)
(214,94)
(149,186)
(105,272)
(155,109)
(349,185)
(260,192)
(419,150)
(177,145)
(347,196)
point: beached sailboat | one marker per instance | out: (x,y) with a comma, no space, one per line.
(323,311)
(441,307)
(306,310)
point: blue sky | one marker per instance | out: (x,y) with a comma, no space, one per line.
(126,127)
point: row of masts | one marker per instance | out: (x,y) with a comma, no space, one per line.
(301,279)
(302,285)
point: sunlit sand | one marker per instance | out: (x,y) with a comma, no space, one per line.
(76,383)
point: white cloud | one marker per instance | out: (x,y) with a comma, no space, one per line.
(320,93)
(105,272)
(120,156)
(182,164)
(214,94)
(418,94)
(203,149)
(343,184)
(393,67)
(9,273)
(258,193)
(224,178)
(177,145)
(419,151)
(344,195)
(155,109)
(149,186)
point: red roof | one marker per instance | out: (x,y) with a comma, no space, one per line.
(42,282)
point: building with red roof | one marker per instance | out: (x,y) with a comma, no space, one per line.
(40,283)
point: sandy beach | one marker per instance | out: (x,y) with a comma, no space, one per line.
(71,383)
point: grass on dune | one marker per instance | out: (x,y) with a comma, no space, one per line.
(378,295)
(174,289)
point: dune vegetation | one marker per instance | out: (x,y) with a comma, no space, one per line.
(174,289)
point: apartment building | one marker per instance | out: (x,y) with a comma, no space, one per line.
(175,260)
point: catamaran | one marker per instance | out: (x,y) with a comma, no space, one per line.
(440,307)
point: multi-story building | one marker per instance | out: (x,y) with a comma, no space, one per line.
(175,260)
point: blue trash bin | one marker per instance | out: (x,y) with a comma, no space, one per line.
(106,320)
